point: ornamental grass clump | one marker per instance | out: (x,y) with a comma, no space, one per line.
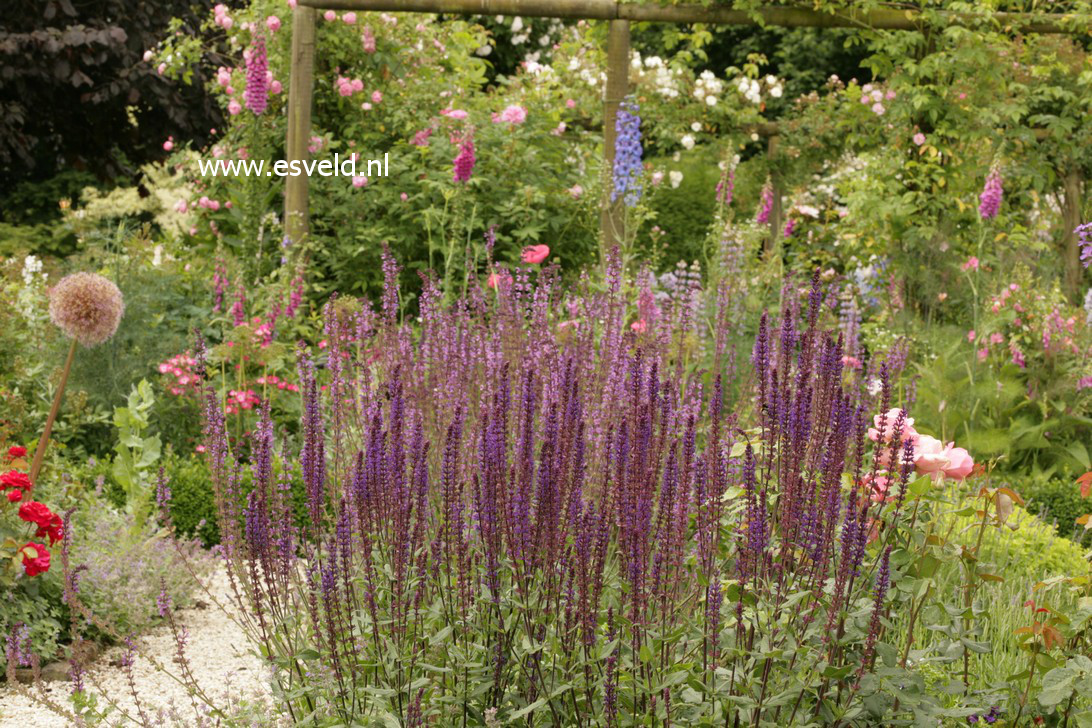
(527,505)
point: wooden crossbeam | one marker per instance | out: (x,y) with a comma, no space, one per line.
(788,17)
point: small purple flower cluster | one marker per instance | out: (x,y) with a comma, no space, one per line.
(627,154)
(1084,241)
(989,202)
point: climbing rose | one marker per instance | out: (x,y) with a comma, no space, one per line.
(960,463)
(15,496)
(15,479)
(37,513)
(535,254)
(39,564)
(514,114)
(16,451)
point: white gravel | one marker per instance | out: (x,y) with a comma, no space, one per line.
(219,656)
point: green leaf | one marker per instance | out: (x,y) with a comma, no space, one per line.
(525,710)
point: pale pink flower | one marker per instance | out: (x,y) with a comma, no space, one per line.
(234,107)
(971,264)
(273,23)
(919,139)
(359,181)
(930,455)
(960,463)
(889,426)
(971,335)
(376,97)
(514,114)
(349,18)
(535,254)
(330,16)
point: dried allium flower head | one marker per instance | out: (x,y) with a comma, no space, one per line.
(87,307)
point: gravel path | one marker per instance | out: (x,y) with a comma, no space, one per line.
(218,653)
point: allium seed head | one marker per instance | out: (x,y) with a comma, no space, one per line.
(87,307)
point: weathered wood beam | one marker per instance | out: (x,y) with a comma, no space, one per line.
(612,216)
(788,17)
(300,91)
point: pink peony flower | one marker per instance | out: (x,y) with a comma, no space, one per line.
(330,16)
(234,107)
(535,254)
(273,23)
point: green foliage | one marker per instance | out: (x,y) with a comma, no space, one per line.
(193,506)
(136,453)
(1057,501)
(1025,548)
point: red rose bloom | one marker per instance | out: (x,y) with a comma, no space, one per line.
(14,479)
(16,451)
(39,564)
(54,530)
(15,495)
(37,513)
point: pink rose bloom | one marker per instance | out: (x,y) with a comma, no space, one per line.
(357,84)
(273,23)
(996,338)
(349,18)
(852,362)
(376,97)
(960,463)
(535,254)
(345,89)
(640,326)
(454,113)
(514,114)
(983,354)
(889,427)
(330,15)
(168,145)
(276,87)
(930,456)
(878,109)
(404,196)
(234,108)
(148,55)
(576,191)
(161,69)
(570,104)
(359,181)
(971,264)
(970,335)
(919,139)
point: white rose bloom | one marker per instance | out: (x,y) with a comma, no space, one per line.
(676,178)
(776,92)
(696,126)
(517,25)
(687,141)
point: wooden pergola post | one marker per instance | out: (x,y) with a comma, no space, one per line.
(300,89)
(612,221)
